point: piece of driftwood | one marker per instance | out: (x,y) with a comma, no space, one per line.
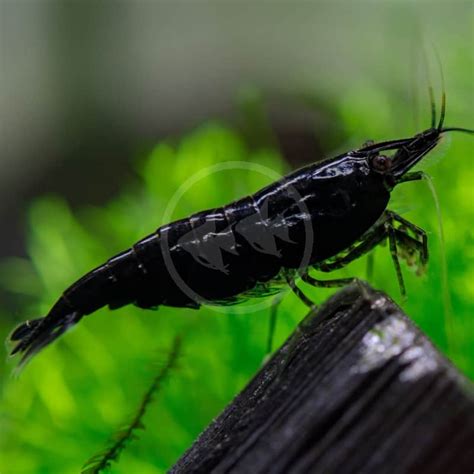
(356,389)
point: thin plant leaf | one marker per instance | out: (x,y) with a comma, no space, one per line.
(120,440)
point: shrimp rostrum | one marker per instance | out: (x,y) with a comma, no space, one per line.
(322,216)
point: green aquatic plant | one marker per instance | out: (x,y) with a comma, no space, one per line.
(74,393)
(103,460)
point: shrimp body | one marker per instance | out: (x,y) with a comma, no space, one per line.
(217,254)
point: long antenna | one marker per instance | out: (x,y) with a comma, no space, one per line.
(443,90)
(433,105)
(457,129)
(443,110)
(430,88)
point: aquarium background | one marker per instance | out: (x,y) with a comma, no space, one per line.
(109,109)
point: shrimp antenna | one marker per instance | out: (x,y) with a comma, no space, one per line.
(443,102)
(457,129)
(443,110)
(433,106)
(443,90)
(430,89)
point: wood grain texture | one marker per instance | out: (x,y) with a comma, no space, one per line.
(357,388)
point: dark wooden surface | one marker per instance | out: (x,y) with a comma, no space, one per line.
(356,388)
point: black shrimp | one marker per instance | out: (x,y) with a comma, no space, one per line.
(322,216)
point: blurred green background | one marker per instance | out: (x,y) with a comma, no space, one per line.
(273,85)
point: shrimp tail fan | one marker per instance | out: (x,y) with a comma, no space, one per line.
(35,334)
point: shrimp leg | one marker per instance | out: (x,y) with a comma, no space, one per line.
(401,242)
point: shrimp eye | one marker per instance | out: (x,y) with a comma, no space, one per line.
(381,163)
